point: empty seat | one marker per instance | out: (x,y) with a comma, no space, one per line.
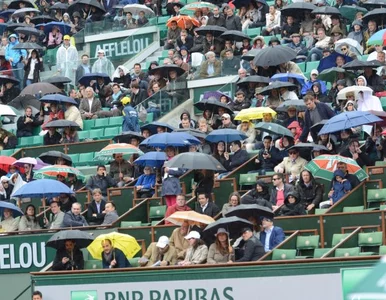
(338,237)
(92,264)
(311,65)
(320,211)
(110,132)
(282,254)
(382,250)
(101,123)
(7,152)
(352,209)
(96,134)
(74,158)
(319,252)
(88,124)
(82,135)
(86,159)
(307,242)
(370,242)
(115,121)
(134,261)
(25,141)
(346,252)
(375,197)
(37,140)
(247,179)
(157,212)
(125,224)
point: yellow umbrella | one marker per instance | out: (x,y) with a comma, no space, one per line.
(254,113)
(124,242)
(192,217)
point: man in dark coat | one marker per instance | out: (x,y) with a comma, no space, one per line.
(253,248)
(26,123)
(205,207)
(374,81)
(11,92)
(101,180)
(355,152)
(232,21)
(268,157)
(74,218)
(217,18)
(96,210)
(68,258)
(271,236)
(238,158)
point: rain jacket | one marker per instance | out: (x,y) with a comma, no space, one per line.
(292,209)
(103,65)
(66,61)
(130,119)
(295,124)
(340,189)
(15,54)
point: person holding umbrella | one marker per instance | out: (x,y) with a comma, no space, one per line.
(68,258)
(113,257)
(15,57)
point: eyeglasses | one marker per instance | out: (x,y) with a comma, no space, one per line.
(274,179)
(292,152)
(343,49)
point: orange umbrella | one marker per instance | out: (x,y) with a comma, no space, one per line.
(192,217)
(182,21)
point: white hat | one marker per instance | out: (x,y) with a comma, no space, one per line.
(314,71)
(163,241)
(101,51)
(193,235)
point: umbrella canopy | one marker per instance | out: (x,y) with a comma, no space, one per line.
(28,46)
(353,45)
(192,7)
(47,27)
(78,5)
(15,4)
(273,128)
(250,55)
(326,10)
(192,217)
(234,35)
(82,239)
(213,106)
(324,166)
(12,26)
(58,79)
(360,65)
(294,9)
(62,124)
(225,135)
(6,110)
(233,225)
(330,61)
(165,69)
(215,30)
(25,160)
(284,77)
(174,139)
(86,79)
(254,113)
(50,157)
(254,79)
(4,79)
(311,146)
(42,20)
(29,31)
(57,98)
(355,89)
(375,3)
(16,212)
(298,104)
(215,95)
(154,159)
(350,11)
(195,161)
(152,127)
(6,162)
(274,56)
(124,242)
(59,5)
(277,85)
(194,132)
(378,38)
(7,13)
(25,11)
(43,188)
(40,88)
(331,74)
(346,120)
(378,15)
(135,9)
(126,149)
(182,20)
(50,172)
(125,137)
(245,211)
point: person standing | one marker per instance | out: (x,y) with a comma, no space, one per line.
(83,69)
(15,58)
(66,59)
(103,64)
(33,68)
(130,116)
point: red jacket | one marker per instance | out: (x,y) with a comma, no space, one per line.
(172,209)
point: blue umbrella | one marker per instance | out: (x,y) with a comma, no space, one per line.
(42,188)
(16,212)
(7,13)
(226,136)
(174,139)
(63,27)
(86,79)
(152,127)
(348,120)
(57,98)
(329,61)
(153,159)
(285,76)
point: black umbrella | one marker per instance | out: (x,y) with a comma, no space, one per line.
(23,101)
(250,55)
(15,4)
(298,104)
(360,65)
(379,3)
(245,211)
(152,127)
(59,5)
(58,79)
(26,10)
(50,157)
(126,136)
(277,85)
(294,9)
(81,238)
(326,10)
(195,132)
(319,125)
(253,79)
(62,124)
(233,225)
(13,26)
(28,46)
(4,79)
(87,78)
(40,88)
(165,69)
(78,5)
(29,31)
(215,30)
(212,105)
(274,56)
(311,146)
(42,20)
(195,161)
(378,15)
(234,35)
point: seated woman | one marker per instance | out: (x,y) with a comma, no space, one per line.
(310,192)
(259,195)
(220,252)
(292,206)
(249,129)
(234,200)
(146,183)
(6,188)
(29,221)
(197,252)
(54,38)
(69,136)
(113,257)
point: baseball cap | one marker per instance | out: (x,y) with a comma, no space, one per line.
(314,71)
(66,37)
(193,235)
(163,241)
(225,116)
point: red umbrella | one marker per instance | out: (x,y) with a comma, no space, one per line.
(6,162)
(182,20)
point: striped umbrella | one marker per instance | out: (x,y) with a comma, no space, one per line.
(50,172)
(126,149)
(182,21)
(324,166)
(189,9)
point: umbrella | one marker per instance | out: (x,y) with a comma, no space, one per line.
(378,15)
(47,27)
(21,102)
(135,9)
(353,45)
(380,114)
(324,166)
(273,128)
(25,160)
(152,127)
(124,242)
(29,31)
(375,3)
(192,217)
(378,38)
(78,5)
(284,77)
(15,4)
(215,30)
(126,149)
(253,79)
(226,136)
(25,11)
(330,61)
(277,85)
(331,74)
(194,132)
(57,98)
(326,10)
(62,124)
(59,5)
(16,212)
(234,35)
(360,65)
(43,188)
(154,159)
(42,20)
(298,104)
(6,13)
(81,238)
(346,120)
(355,89)
(6,162)
(250,55)
(4,79)
(192,7)
(165,69)
(294,9)
(86,79)
(13,26)
(28,46)
(6,110)
(213,106)
(319,125)
(51,157)
(311,146)
(174,139)
(254,113)
(40,88)
(50,172)
(274,56)
(233,225)
(40,164)
(182,21)
(215,95)
(195,161)
(126,136)
(58,79)
(349,12)
(245,211)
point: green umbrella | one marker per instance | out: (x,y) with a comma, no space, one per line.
(349,11)
(126,149)
(189,9)
(331,74)
(50,172)
(274,128)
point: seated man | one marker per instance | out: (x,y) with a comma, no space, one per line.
(121,170)
(96,209)
(280,190)
(205,207)
(179,206)
(253,248)
(292,165)
(211,67)
(178,241)
(89,105)
(241,101)
(52,137)
(101,180)
(68,258)
(113,257)
(56,219)
(111,214)
(230,64)
(355,152)
(73,218)
(27,123)
(268,157)
(323,41)
(159,254)
(272,235)
(9,223)
(234,161)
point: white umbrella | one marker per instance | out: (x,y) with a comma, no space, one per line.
(355,89)
(353,44)
(6,110)
(136,8)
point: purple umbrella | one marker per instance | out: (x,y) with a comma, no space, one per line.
(25,160)
(216,94)
(40,164)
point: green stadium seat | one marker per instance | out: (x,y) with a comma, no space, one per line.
(338,237)
(8,152)
(25,141)
(101,123)
(319,252)
(382,207)
(154,223)
(352,209)
(306,243)
(93,264)
(253,32)
(247,179)
(346,252)
(157,212)
(74,158)
(375,197)
(96,134)
(111,132)
(115,121)
(302,66)
(88,124)
(125,224)
(162,20)
(312,65)
(84,134)
(152,21)
(382,250)
(86,159)
(383,103)
(364,57)
(134,262)
(283,254)
(380,163)
(371,240)
(320,211)
(37,140)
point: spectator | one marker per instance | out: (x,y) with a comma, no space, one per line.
(371,29)
(253,248)
(52,137)
(67,59)
(323,41)
(6,188)
(89,105)
(205,207)
(74,218)
(310,192)
(129,22)
(103,64)
(298,47)
(56,218)
(179,206)
(113,257)
(142,20)
(258,195)
(234,161)
(72,113)
(268,157)
(212,44)
(101,180)
(36,295)
(291,165)
(204,180)
(271,236)
(68,258)
(111,214)
(33,68)
(232,21)
(374,81)
(184,40)
(186,116)
(15,57)
(211,67)
(138,95)
(70,136)
(145,184)
(29,221)
(84,68)
(234,200)
(121,170)
(96,209)
(216,18)
(272,25)
(280,190)
(9,223)
(313,78)
(230,64)
(159,253)
(292,206)
(357,33)
(220,252)
(197,252)
(66,202)
(226,122)
(10,92)
(122,77)
(241,102)
(27,123)
(290,28)
(178,241)
(340,187)
(173,33)
(355,152)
